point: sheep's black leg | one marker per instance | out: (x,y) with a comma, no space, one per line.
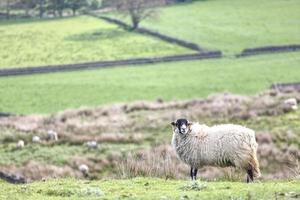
(249,175)
(195,173)
(191,174)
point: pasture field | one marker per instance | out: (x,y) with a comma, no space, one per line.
(149,188)
(48,93)
(71,40)
(230,25)
(143,132)
(127,110)
(134,141)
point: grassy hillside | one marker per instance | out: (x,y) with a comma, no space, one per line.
(149,188)
(231,25)
(182,80)
(73,40)
(148,133)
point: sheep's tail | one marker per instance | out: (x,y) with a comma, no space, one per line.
(254,164)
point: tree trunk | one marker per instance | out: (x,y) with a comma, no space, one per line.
(60,12)
(41,8)
(135,25)
(27,8)
(26,11)
(7,9)
(135,21)
(74,11)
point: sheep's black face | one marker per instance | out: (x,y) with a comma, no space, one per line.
(181,126)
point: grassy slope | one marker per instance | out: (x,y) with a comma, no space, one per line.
(148,188)
(182,80)
(48,154)
(279,126)
(73,40)
(231,25)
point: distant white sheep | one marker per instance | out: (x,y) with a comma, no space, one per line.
(20,144)
(36,139)
(222,145)
(84,169)
(92,144)
(290,104)
(52,135)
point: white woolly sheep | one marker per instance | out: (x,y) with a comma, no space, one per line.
(222,145)
(290,104)
(52,135)
(84,169)
(92,144)
(20,144)
(36,139)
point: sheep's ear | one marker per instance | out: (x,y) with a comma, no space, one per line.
(190,123)
(173,123)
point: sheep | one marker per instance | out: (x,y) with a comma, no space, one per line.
(20,144)
(52,135)
(84,169)
(92,144)
(222,145)
(36,139)
(290,104)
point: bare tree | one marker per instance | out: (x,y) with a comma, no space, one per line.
(138,10)
(28,5)
(76,5)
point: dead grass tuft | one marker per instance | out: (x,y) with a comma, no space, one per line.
(155,162)
(125,123)
(132,117)
(37,171)
(161,161)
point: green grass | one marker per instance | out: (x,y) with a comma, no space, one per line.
(49,154)
(182,80)
(149,188)
(40,154)
(74,40)
(231,25)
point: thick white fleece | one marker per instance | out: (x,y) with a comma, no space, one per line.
(221,145)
